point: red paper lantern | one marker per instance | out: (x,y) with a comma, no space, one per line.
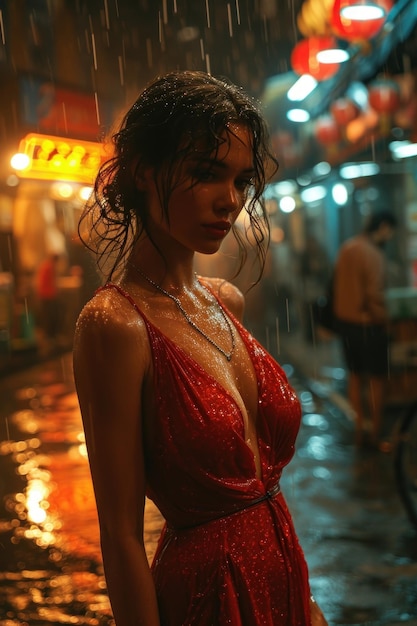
(328,133)
(356,30)
(304,57)
(384,97)
(344,111)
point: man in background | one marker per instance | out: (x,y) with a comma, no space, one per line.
(362,319)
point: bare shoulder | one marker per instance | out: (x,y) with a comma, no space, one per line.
(228,293)
(110,319)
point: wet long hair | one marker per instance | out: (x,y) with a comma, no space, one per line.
(179,114)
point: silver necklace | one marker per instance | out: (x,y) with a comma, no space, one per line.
(177,301)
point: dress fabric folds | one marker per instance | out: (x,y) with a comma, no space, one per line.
(228,554)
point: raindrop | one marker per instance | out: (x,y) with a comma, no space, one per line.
(165,11)
(3,38)
(106,15)
(26,310)
(97,109)
(34,31)
(121,70)
(373,147)
(229,17)
(9,247)
(278,335)
(208,15)
(202,49)
(238,12)
(208,70)
(93,48)
(287,309)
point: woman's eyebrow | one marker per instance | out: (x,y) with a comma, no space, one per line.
(220,164)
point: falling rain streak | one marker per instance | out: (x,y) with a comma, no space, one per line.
(287,308)
(251,48)
(64,114)
(121,70)
(34,30)
(373,150)
(208,14)
(9,247)
(160,31)
(97,107)
(106,15)
(278,337)
(238,12)
(6,422)
(93,48)
(229,17)
(26,310)
(3,37)
(165,11)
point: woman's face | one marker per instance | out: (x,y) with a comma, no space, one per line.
(208,198)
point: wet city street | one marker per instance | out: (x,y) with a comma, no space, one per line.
(360,546)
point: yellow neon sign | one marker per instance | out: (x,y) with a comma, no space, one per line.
(58,158)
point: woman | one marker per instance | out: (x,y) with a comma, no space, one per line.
(179,402)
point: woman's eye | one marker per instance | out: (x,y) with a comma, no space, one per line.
(244,184)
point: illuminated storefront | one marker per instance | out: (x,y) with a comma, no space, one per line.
(54,177)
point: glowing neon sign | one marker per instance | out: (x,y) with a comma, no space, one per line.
(58,158)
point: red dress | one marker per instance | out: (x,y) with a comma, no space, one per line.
(228,554)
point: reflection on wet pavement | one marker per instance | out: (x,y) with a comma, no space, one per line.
(50,565)
(361,550)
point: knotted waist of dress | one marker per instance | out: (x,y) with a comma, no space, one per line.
(268,495)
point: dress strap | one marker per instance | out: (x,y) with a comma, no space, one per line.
(124,293)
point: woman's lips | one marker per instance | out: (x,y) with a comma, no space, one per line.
(218,229)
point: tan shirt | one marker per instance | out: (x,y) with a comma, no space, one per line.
(359,281)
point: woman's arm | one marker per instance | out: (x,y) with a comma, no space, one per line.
(111,360)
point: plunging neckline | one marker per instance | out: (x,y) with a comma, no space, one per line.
(210,377)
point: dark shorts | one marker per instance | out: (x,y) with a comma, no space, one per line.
(365,348)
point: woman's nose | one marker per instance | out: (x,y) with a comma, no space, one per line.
(231,199)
